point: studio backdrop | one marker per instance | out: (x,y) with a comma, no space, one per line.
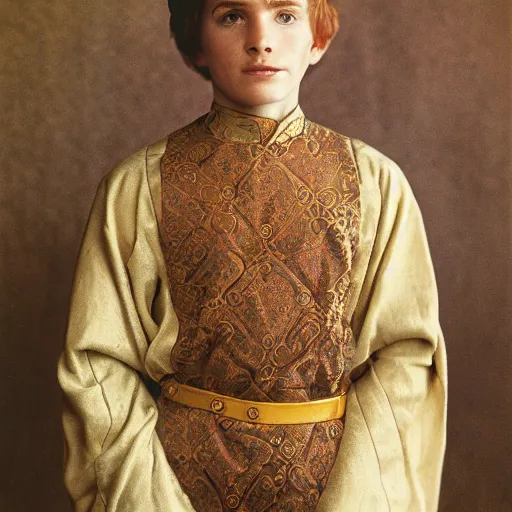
(85,84)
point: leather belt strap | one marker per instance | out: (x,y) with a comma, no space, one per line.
(273,413)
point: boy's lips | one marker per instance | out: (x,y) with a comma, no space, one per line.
(261,70)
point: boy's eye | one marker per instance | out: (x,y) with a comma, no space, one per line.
(230,18)
(286,18)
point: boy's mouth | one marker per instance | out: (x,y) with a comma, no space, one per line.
(261,70)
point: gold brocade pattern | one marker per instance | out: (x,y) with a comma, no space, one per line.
(225,123)
(260,227)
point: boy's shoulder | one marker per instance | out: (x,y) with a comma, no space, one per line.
(133,167)
(134,163)
(370,162)
(369,156)
(363,152)
(374,167)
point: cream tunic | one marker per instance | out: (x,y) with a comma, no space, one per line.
(122,327)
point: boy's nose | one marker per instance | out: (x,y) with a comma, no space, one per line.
(259,39)
(259,49)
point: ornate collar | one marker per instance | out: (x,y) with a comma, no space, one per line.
(229,124)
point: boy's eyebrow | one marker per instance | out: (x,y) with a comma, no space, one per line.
(285,3)
(229,4)
(233,4)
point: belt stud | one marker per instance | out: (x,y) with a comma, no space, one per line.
(217,405)
(253,413)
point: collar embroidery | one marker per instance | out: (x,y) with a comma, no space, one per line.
(226,123)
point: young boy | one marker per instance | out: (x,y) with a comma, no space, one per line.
(273,277)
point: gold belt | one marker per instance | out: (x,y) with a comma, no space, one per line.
(274,413)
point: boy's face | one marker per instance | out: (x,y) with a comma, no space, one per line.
(239,37)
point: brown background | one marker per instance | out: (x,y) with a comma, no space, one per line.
(84,84)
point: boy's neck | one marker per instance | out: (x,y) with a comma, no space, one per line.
(276,111)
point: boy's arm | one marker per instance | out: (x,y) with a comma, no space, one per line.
(113,459)
(393,445)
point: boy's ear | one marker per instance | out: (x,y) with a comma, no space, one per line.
(198,65)
(193,62)
(199,60)
(317,53)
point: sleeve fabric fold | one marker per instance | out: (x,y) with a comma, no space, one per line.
(393,445)
(114,460)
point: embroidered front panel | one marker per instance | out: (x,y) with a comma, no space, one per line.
(259,239)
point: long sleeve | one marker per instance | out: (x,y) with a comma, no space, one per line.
(393,445)
(114,460)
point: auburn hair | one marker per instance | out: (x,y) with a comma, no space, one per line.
(186,18)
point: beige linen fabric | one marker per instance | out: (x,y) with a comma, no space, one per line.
(122,327)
